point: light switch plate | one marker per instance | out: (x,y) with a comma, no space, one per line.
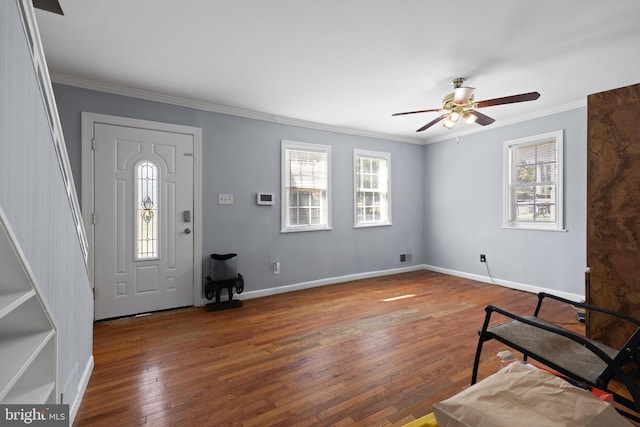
(225,199)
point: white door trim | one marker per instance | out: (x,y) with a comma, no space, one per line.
(88,121)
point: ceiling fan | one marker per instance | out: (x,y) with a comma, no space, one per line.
(461,105)
(48,5)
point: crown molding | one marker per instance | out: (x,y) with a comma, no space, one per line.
(79,82)
(83,83)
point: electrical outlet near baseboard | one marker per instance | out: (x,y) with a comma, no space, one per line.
(483,258)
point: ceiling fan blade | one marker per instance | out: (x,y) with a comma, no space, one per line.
(482,119)
(419,111)
(531,96)
(49,6)
(462,95)
(432,122)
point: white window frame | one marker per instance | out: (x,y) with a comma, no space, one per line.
(510,205)
(386,199)
(325,213)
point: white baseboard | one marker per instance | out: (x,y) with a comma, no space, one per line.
(328,281)
(506,283)
(82,388)
(349,277)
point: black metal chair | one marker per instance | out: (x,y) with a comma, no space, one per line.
(567,352)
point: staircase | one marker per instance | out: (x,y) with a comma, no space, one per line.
(27,334)
(46,303)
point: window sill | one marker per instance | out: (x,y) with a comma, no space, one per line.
(369,225)
(561,230)
(302,229)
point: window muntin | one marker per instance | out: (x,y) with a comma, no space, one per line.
(372,192)
(306,171)
(533,182)
(146,210)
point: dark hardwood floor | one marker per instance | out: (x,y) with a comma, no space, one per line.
(374,352)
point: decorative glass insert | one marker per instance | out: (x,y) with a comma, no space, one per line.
(146,210)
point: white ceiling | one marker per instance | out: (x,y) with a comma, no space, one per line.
(349,63)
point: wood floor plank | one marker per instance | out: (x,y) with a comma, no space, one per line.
(378,351)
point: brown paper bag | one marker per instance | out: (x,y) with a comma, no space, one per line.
(524,396)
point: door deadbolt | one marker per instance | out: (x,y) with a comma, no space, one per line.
(187,231)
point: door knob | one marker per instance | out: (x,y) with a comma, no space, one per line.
(187,231)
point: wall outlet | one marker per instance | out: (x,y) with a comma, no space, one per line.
(225,199)
(483,258)
(276,268)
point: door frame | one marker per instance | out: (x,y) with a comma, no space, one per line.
(88,185)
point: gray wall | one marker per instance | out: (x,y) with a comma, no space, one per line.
(463,208)
(242,156)
(447,199)
(34,199)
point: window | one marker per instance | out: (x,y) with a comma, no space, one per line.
(306,171)
(372,195)
(533,182)
(146,210)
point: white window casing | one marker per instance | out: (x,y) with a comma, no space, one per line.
(533,182)
(372,188)
(306,187)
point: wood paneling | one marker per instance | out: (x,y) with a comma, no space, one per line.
(378,351)
(613,211)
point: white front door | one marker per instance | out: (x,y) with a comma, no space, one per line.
(143,204)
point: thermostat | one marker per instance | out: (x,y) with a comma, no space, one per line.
(264,198)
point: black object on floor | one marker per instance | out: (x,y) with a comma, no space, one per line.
(223,274)
(223,305)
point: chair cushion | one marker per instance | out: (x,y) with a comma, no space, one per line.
(562,351)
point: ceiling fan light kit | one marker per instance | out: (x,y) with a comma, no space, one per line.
(469,118)
(460,103)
